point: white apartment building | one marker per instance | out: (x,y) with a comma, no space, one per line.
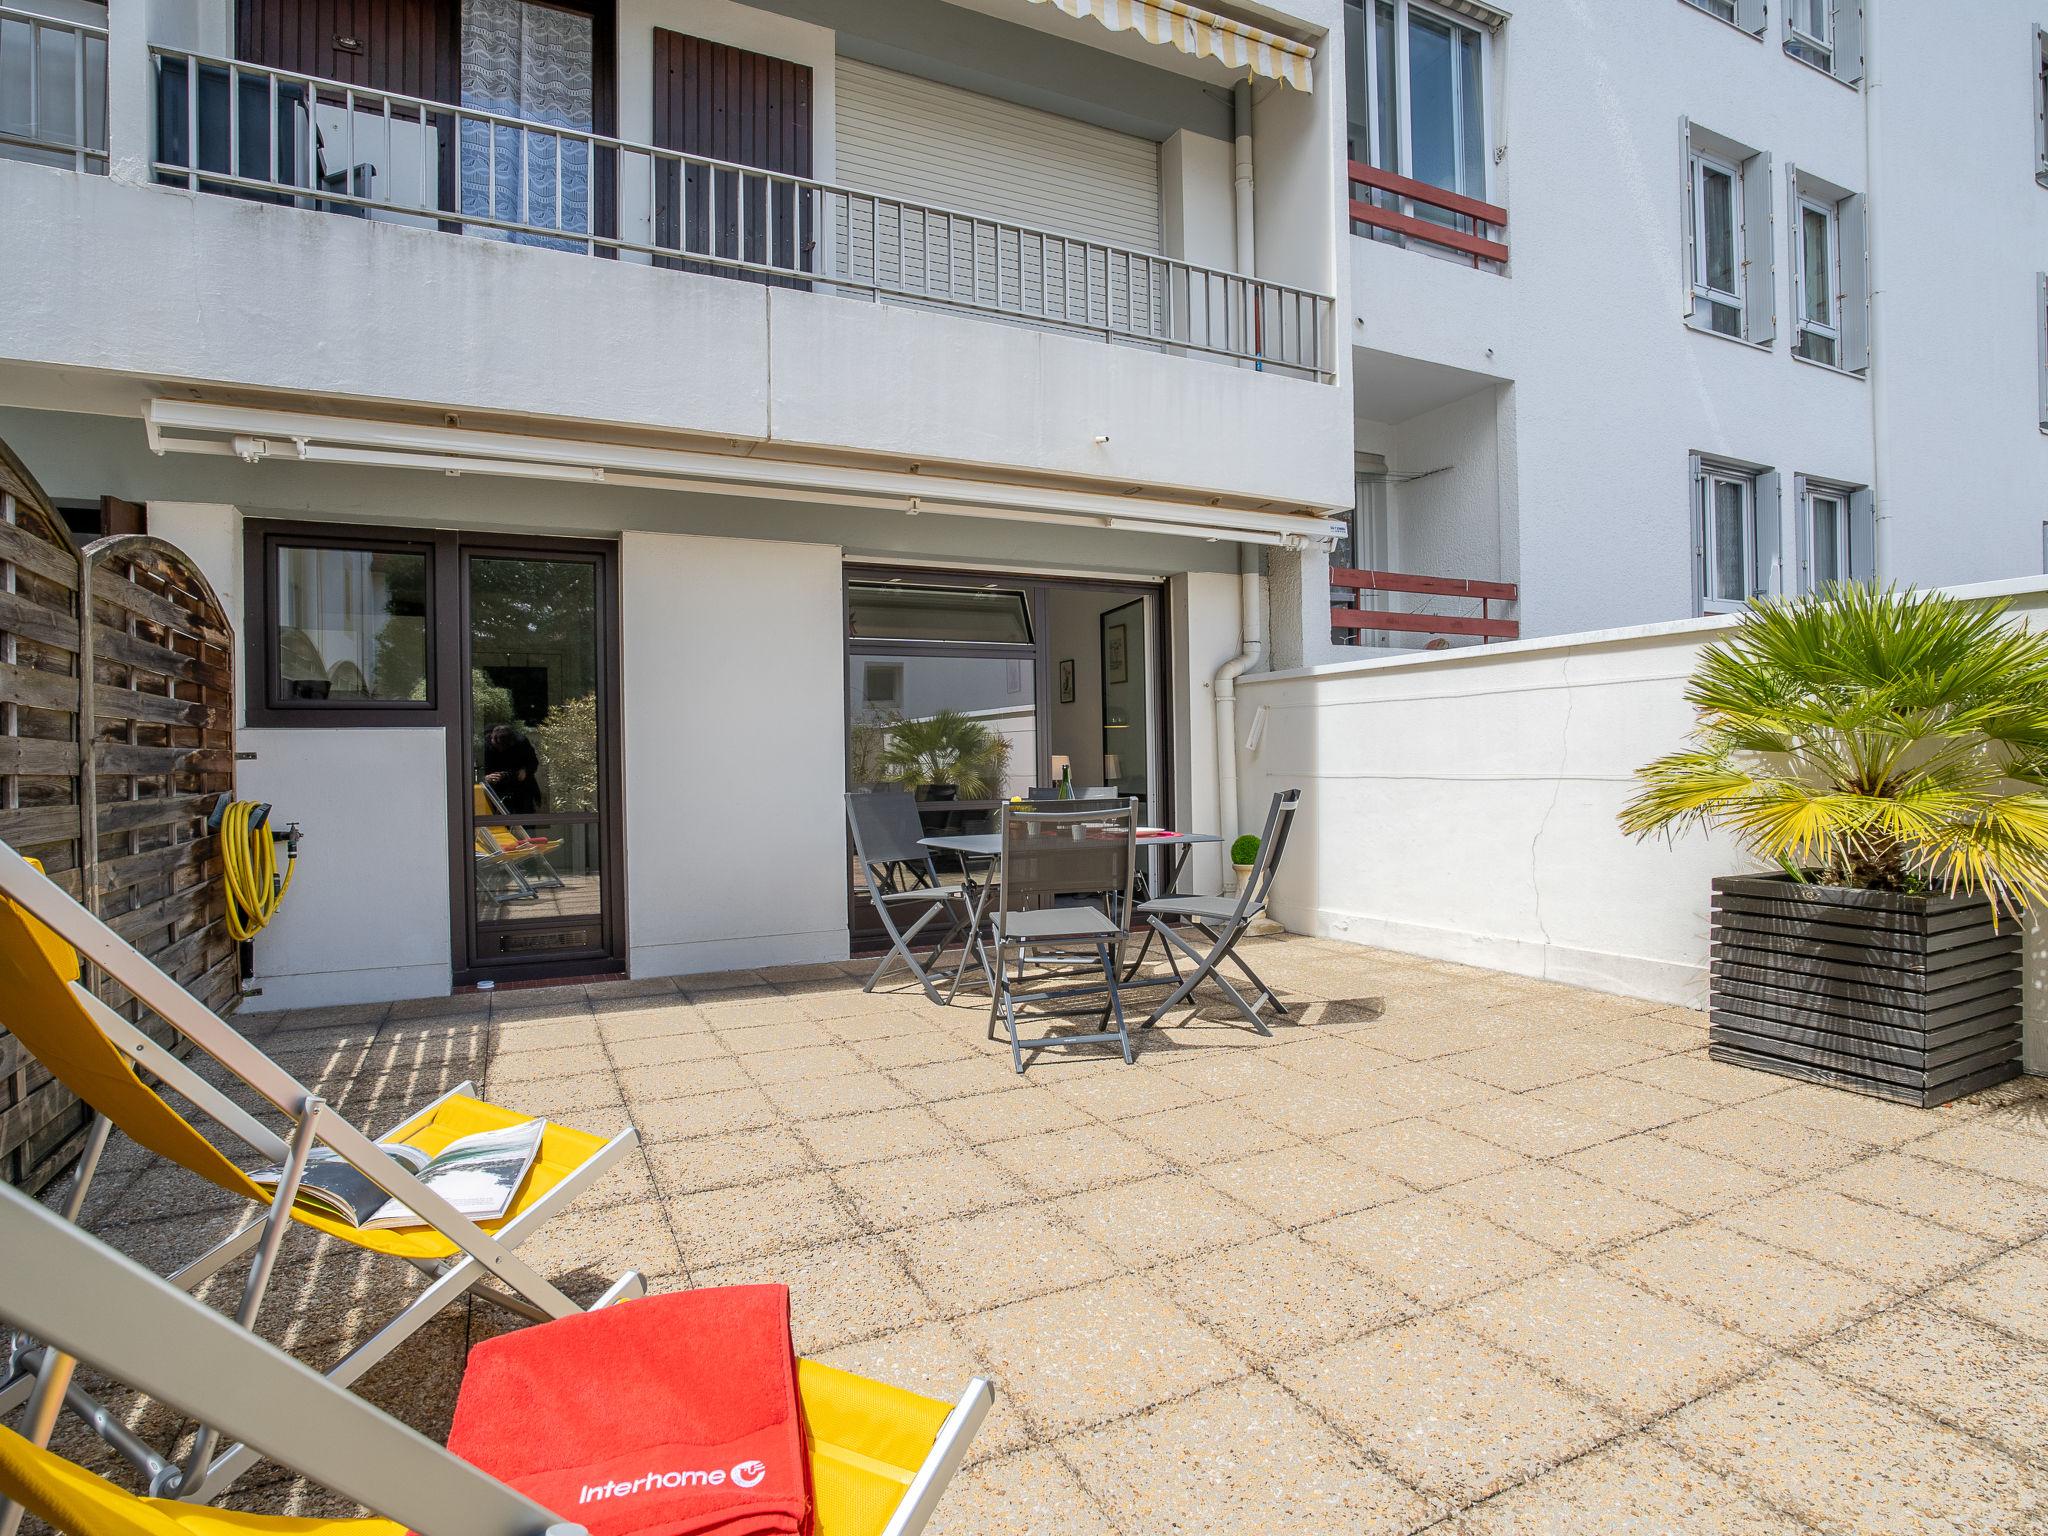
(658,403)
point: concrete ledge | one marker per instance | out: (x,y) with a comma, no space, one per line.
(325,989)
(735,954)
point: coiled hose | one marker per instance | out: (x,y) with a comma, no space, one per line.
(249,856)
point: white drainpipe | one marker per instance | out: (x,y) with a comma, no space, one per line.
(1241,173)
(1252,623)
(1874,99)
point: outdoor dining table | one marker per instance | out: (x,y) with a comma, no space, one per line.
(1178,846)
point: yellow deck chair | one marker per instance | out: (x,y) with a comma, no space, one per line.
(880,1457)
(509,850)
(102,1058)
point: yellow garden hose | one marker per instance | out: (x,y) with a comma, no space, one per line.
(249,856)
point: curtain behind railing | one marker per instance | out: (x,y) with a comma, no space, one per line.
(532,61)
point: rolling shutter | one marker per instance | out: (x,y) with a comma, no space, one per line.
(931,143)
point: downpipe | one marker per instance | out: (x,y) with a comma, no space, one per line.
(1252,626)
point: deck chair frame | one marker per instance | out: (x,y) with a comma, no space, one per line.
(96,1305)
(480,1257)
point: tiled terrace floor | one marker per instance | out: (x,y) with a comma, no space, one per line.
(1452,1250)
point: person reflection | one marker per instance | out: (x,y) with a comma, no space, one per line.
(512,769)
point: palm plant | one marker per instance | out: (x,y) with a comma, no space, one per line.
(1891,740)
(945,748)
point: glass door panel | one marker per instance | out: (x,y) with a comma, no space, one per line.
(537,758)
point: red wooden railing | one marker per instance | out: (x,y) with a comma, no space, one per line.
(1486,217)
(1485,626)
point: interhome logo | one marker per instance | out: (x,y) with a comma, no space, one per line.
(746,1474)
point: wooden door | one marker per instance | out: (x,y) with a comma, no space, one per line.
(409,46)
(747,109)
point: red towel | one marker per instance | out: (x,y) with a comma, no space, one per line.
(672,1416)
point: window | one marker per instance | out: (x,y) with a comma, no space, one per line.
(1830,273)
(1417,77)
(1746,14)
(1728,238)
(881,685)
(1836,533)
(346,624)
(1827,34)
(895,610)
(1735,534)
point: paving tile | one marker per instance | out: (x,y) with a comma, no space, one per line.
(1698,1077)
(1423,1153)
(1281,1296)
(1443,1032)
(641,1020)
(1298,1184)
(1121,1093)
(1955,1197)
(1086,1157)
(820,1098)
(707,1074)
(1432,1250)
(967,1263)
(1682,1177)
(1631,1105)
(1849,1460)
(1531,1128)
(1453,1416)
(933,1359)
(583,1251)
(912,1050)
(1668,1032)
(703,1114)
(806,1062)
(1239,1458)
(930,1186)
(1230,1074)
(1206,1133)
(1153,1220)
(1560,1209)
(838,1292)
(541,1032)
(1836,1112)
(1544,1060)
(1866,1240)
(1423,1088)
(1029,1494)
(1004,1116)
(748,1036)
(722,1226)
(957,1079)
(1634,1488)
(648,1055)
(847,1140)
(1958,1369)
(1990,1149)
(1317,1111)
(1098,1352)
(558,1098)
(2010,1292)
(1333,1058)
(718,1162)
(1746,1134)
(1637,1353)
(1746,1285)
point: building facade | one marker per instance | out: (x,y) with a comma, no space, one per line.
(621,427)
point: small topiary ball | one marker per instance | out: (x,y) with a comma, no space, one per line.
(1245,849)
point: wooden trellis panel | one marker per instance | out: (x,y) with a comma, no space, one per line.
(40,784)
(160,717)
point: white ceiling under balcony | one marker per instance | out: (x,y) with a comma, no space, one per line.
(1394,389)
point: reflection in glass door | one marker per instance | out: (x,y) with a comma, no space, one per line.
(538,743)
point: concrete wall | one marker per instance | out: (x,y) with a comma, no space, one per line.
(735,752)
(1462,805)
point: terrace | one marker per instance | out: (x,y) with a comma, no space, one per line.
(1451,1249)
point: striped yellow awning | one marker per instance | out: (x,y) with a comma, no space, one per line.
(1202,35)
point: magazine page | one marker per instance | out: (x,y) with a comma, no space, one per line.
(479,1175)
(333,1186)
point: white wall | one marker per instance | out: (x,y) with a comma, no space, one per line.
(1462,805)
(1204,609)
(733,714)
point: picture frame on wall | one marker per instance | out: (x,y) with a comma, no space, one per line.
(1067,681)
(1116,661)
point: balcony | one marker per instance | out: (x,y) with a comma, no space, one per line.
(1351,624)
(1414,212)
(273,136)
(53,91)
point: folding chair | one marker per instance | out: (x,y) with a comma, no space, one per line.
(1222,921)
(900,873)
(1051,851)
(506,849)
(880,1457)
(96,1053)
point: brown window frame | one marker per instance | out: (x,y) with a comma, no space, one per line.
(266,705)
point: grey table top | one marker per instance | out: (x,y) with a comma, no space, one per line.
(990,844)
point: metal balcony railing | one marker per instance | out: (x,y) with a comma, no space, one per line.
(1349,619)
(269,134)
(1415,210)
(53,90)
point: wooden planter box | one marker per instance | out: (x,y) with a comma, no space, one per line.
(1913,998)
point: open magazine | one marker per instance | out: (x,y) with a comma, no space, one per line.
(478,1175)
